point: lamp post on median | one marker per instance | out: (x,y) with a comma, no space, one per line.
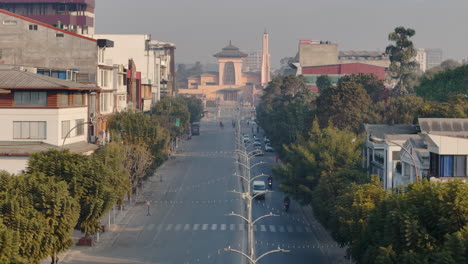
(380,140)
(251,259)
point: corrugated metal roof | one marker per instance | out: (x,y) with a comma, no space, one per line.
(380,130)
(444,126)
(26,148)
(10,79)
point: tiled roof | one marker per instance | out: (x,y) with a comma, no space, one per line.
(231,51)
(380,130)
(26,148)
(11,79)
(444,126)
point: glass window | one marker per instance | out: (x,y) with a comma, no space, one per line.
(30,98)
(79,127)
(459,166)
(78,98)
(446,166)
(63,99)
(65,128)
(29,130)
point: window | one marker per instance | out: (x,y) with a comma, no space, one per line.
(78,98)
(65,128)
(79,123)
(101,55)
(29,129)
(104,78)
(105,102)
(10,22)
(30,98)
(32,27)
(452,166)
(59,35)
(63,99)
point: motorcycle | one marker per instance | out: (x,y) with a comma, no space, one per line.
(270,184)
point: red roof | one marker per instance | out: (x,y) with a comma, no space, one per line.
(45,25)
(346,69)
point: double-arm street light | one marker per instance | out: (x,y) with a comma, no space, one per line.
(380,140)
(252,259)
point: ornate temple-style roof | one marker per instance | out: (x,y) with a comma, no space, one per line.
(230,51)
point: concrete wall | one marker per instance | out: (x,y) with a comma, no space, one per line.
(445,145)
(13,164)
(318,54)
(43,49)
(381,63)
(53,117)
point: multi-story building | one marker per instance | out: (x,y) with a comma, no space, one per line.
(421,59)
(434,57)
(39,112)
(253,61)
(76,16)
(52,51)
(156,60)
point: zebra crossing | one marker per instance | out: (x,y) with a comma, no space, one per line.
(226,228)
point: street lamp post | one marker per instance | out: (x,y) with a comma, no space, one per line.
(73,128)
(379,140)
(252,259)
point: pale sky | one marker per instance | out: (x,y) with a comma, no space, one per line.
(200,28)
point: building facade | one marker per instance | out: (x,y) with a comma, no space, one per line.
(434,57)
(40,112)
(52,51)
(421,59)
(76,16)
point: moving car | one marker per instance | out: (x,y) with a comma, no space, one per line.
(246,138)
(259,187)
(268,148)
(195,129)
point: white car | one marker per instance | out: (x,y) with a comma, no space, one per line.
(259,187)
(258,151)
(246,138)
(268,148)
(257,143)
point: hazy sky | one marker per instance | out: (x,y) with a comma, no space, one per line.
(201,28)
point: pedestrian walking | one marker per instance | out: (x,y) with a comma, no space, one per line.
(276,158)
(148,206)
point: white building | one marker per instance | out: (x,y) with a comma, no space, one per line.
(421,59)
(154,59)
(39,112)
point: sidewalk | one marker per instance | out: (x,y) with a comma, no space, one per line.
(121,219)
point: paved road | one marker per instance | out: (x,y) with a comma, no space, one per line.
(188,222)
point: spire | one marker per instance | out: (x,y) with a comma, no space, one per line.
(230,43)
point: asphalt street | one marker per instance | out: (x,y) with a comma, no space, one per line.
(188,206)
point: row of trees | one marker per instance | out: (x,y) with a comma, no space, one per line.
(60,191)
(318,139)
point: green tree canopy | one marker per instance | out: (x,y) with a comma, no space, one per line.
(402,65)
(323,82)
(346,106)
(444,85)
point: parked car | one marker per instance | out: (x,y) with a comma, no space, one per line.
(246,138)
(258,151)
(257,142)
(268,148)
(266,140)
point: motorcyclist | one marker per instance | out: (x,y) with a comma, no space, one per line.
(270,181)
(221,125)
(286,203)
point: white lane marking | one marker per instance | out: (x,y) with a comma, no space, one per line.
(281,229)
(169,226)
(214,227)
(150,227)
(272,228)
(205,226)
(262,228)
(290,229)
(178,227)
(186,227)
(232,227)
(255,228)
(241,227)
(195,227)
(223,226)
